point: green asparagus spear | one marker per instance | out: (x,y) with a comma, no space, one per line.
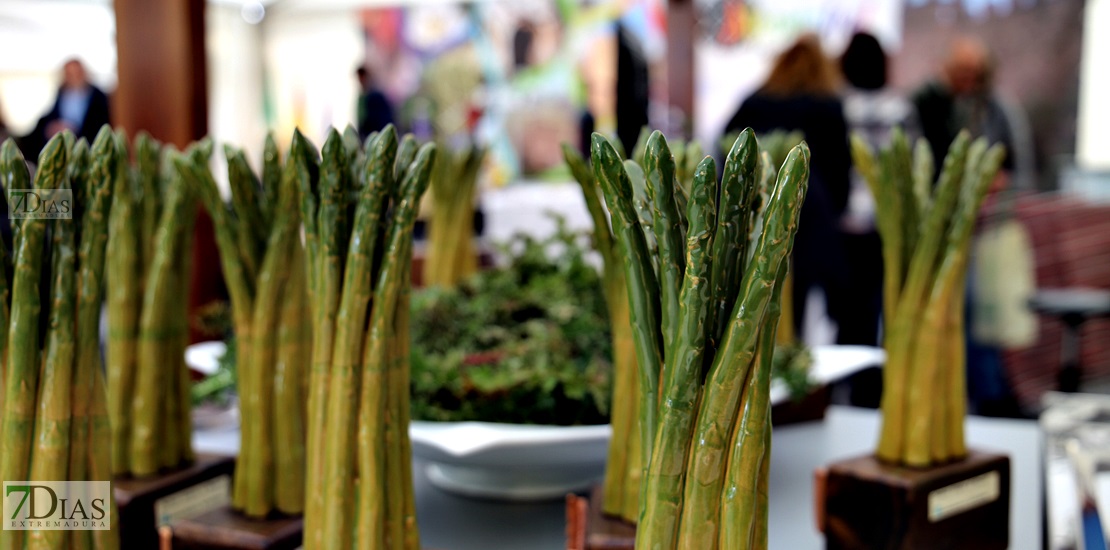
(50,454)
(659,521)
(372,467)
(750,451)
(643,288)
(22,382)
(345,373)
(719,406)
(659,176)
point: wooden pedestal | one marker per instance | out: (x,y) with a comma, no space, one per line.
(141,501)
(872,505)
(807,409)
(589,529)
(224,529)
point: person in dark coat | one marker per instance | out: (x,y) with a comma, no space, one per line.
(374,109)
(873,111)
(800,94)
(79,107)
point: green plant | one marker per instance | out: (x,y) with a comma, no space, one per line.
(219,386)
(526,344)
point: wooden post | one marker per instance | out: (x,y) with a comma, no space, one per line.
(163,89)
(161,65)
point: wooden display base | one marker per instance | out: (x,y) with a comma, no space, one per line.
(807,409)
(869,504)
(589,529)
(225,529)
(141,501)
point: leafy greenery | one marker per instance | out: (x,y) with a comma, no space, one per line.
(526,344)
(219,387)
(791,364)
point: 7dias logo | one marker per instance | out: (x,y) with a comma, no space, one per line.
(57,505)
(50,204)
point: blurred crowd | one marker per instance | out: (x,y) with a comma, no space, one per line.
(838,249)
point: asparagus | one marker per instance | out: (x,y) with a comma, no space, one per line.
(682,380)
(292,354)
(155,441)
(623,466)
(451,255)
(13,175)
(22,382)
(739,187)
(643,287)
(732,364)
(659,176)
(124,298)
(373,518)
(926,265)
(51,423)
(91,260)
(707,439)
(345,373)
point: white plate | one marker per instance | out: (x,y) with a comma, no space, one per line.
(204,357)
(511,461)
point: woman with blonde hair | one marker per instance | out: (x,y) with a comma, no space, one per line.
(801,94)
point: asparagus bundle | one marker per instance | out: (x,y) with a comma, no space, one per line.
(54,417)
(359,275)
(450,254)
(624,467)
(148,257)
(704,306)
(263,263)
(926,231)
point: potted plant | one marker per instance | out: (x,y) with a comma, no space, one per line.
(922,487)
(518,357)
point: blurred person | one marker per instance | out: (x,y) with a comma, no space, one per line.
(872,110)
(374,110)
(4,133)
(961,97)
(79,107)
(801,94)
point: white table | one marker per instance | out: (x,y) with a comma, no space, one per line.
(448,522)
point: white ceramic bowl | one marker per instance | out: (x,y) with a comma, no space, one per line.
(523,462)
(510,461)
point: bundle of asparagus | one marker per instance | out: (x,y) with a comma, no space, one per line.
(624,467)
(926,231)
(55,414)
(359,274)
(450,254)
(263,263)
(704,305)
(148,257)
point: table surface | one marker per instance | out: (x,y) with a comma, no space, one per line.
(448,522)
